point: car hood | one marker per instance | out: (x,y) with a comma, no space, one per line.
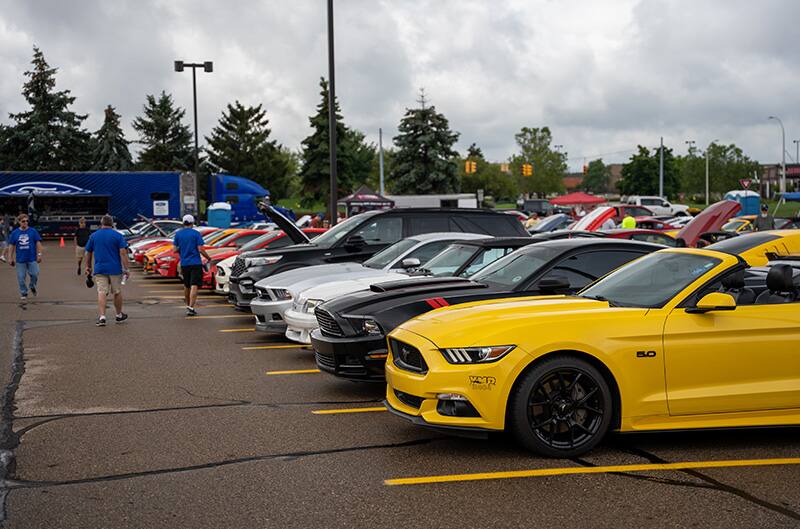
(329,290)
(482,322)
(321,273)
(594,220)
(710,219)
(288,227)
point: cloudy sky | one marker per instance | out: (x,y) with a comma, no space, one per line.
(604,76)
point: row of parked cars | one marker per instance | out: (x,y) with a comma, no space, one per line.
(476,326)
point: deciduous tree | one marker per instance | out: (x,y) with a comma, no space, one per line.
(549,166)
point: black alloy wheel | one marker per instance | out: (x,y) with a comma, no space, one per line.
(561,408)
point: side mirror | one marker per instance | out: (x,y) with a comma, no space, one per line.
(410,262)
(553,284)
(713,301)
(354,242)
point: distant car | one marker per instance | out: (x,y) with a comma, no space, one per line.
(559,221)
(658,205)
(624,210)
(636,234)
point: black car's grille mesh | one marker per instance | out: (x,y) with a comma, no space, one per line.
(238,267)
(324,360)
(327,324)
(407,357)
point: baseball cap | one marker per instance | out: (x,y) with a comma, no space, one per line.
(188,219)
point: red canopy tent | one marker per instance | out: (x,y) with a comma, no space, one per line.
(577,198)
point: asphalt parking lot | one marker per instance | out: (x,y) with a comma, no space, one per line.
(168,421)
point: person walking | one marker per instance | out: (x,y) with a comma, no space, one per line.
(189,244)
(25,252)
(765,221)
(105,249)
(82,235)
(3,238)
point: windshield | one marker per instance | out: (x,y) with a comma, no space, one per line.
(651,281)
(446,262)
(733,225)
(214,235)
(553,222)
(513,269)
(255,243)
(330,237)
(386,256)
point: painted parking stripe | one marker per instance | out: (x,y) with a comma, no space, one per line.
(348,410)
(251,329)
(542,472)
(210,317)
(294,372)
(257,347)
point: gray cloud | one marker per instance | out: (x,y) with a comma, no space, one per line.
(604,76)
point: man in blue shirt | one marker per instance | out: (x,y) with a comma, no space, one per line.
(189,244)
(106,247)
(25,250)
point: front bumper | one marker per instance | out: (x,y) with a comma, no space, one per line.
(222,286)
(351,357)
(269,315)
(485,386)
(299,325)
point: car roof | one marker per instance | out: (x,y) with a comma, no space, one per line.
(569,244)
(499,242)
(448,235)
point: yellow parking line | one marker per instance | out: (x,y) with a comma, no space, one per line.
(256,347)
(541,472)
(219,317)
(294,372)
(348,410)
(238,330)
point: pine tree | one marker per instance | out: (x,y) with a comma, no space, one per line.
(48,137)
(240,145)
(315,171)
(111,148)
(425,161)
(473,151)
(167,140)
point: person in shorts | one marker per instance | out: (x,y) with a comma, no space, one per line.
(106,250)
(25,252)
(82,235)
(189,244)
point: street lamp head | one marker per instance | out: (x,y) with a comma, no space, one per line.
(208,66)
(178,66)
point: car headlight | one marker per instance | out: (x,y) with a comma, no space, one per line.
(262,261)
(311,304)
(476,355)
(370,326)
(220,271)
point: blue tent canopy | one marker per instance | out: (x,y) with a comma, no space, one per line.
(792,197)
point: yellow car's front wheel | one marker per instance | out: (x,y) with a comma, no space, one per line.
(561,408)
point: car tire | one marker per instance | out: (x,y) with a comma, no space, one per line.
(561,408)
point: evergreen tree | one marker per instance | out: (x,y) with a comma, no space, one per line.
(240,145)
(549,166)
(167,140)
(315,171)
(48,137)
(640,174)
(425,161)
(111,148)
(597,178)
(473,151)
(360,157)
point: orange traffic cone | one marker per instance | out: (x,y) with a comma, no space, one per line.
(61,244)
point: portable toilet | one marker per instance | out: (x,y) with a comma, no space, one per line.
(219,215)
(749,200)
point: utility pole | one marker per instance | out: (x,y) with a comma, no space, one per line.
(380,156)
(783,154)
(661,169)
(333,208)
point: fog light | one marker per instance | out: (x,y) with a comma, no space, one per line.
(451,396)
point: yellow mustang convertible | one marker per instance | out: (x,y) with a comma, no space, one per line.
(678,339)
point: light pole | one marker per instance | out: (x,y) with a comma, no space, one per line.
(207,67)
(709,147)
(332,117)
(783,155)
(797,151)
(690,143)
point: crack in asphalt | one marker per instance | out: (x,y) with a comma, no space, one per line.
(713,484)
(287,456)
(9,440)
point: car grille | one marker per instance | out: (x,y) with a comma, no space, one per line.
(238,267)
(327,324)
(408,399)
(407,357)
(326,361)
(262,293)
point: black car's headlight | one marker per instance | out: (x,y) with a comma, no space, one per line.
(476,355)
(262,261)
(364,325)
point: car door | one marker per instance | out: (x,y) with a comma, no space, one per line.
(742,360)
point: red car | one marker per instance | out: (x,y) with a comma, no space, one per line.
(166,264)
(651,223)
(272,240)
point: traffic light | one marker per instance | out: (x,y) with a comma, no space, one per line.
(470,167)
(585,169)
(504,168)
(527,169)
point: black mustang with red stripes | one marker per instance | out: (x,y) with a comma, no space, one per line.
(351,339)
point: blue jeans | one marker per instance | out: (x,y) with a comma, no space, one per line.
(31,269)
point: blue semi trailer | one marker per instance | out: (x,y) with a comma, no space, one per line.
(61,198)
(241,193)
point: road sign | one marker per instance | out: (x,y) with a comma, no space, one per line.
(745,183)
